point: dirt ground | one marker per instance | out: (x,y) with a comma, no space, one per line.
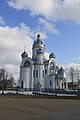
(39,109)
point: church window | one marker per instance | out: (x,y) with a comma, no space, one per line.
(57,83)
(45,71)
(22,83)
(36,73)
(50,83)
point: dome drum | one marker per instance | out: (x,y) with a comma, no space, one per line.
(39,51)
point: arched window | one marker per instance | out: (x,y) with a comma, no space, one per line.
(50,83)
(27,64)
(45,71)
(33,73)
(22,84)
(36,73)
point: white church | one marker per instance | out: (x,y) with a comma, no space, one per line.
(38,73)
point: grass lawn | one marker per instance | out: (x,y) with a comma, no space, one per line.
(24,108)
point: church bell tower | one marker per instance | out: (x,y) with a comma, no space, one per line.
(37,48)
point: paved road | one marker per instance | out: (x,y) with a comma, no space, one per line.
(39,109)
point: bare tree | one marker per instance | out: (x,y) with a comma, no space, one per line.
(6,79)
(71,73)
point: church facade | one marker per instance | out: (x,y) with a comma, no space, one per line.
(38,73)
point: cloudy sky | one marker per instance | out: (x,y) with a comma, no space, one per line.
(58,22)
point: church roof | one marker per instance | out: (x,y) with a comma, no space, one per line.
(52,55)
(61,74)
(38,40)
(24,54)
